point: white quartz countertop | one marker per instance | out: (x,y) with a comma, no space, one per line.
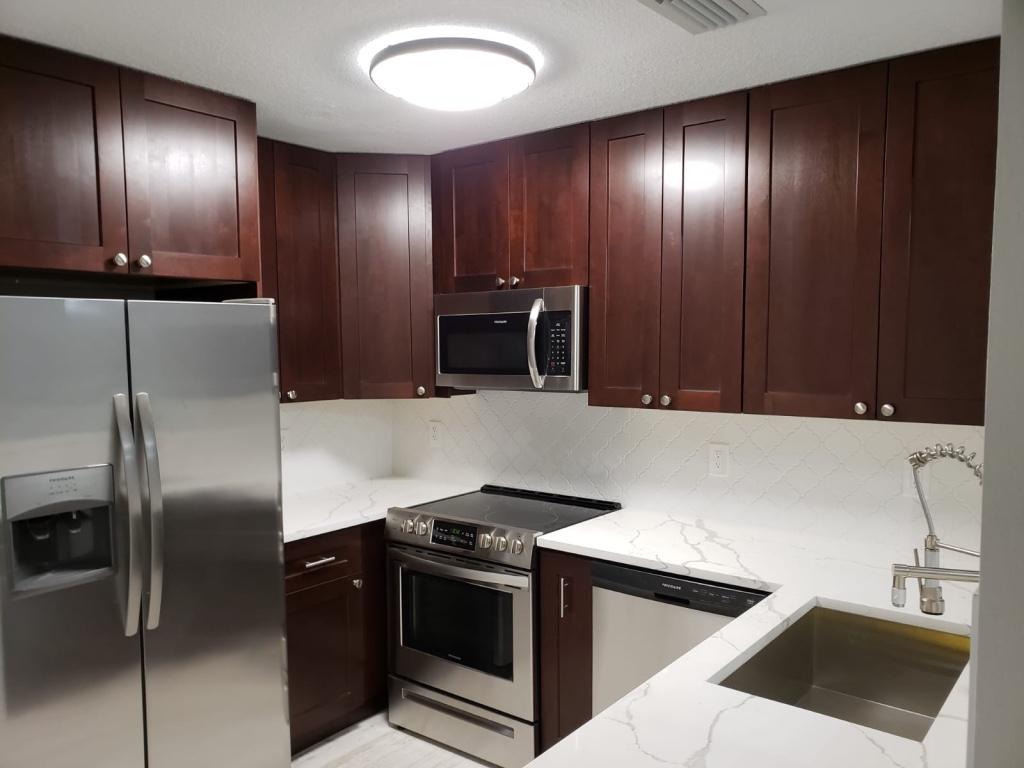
(680,717)
(311,512)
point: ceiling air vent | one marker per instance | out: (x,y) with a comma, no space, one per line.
(705,15)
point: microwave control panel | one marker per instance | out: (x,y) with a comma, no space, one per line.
(559,343)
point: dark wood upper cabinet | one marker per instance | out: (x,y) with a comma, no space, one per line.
(513,214)
(813,243)
(625,259)
(566,645)
(549,195)
(62,198)
(300,266)
(471,237)
(940,159)
(386,284)
(703,254)
(190,157)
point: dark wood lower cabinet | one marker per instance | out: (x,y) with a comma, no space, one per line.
(566,645)
(336,631)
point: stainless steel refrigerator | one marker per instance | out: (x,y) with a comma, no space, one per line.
(141,584)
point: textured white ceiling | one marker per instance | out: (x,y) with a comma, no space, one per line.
(297,58)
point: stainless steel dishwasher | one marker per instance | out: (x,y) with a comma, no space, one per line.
(644,620)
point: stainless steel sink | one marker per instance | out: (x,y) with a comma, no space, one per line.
(881,674)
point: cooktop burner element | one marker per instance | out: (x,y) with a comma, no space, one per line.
(494,523)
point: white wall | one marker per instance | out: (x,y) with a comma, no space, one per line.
(998,718)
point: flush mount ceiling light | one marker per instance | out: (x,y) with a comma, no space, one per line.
(453,74)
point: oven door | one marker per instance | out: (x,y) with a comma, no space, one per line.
(463,627)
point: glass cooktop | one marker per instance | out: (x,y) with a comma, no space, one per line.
(516,508)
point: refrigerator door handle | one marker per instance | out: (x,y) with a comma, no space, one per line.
(154,507)
(129,485)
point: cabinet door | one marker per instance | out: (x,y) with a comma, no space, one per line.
(472,235)
(566,645)
(386,284)
(325,658)
(625,259)
(190,158)
(549,198)
(702,254)
(62,198)
(301,267)
(813,244)
(940,161)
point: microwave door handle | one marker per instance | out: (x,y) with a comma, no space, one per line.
(531,344)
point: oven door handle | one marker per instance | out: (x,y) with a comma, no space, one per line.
(463,574)
(531,344)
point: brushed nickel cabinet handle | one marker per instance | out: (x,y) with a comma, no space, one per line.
(121,259)
(646,399)
(860,408)
(357,583)
(145,261)
(320,562)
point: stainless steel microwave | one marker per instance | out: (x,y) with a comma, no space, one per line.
(523,339)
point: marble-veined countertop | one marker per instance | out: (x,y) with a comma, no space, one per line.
(681,717)
(312,512)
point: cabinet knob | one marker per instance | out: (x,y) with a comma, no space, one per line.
(499,282)
(665,400)
(121,259)
(145,262)
(887,410)
(357,583)
(421,391)
(291,394)
(646,399)
(515,281)
(860,408)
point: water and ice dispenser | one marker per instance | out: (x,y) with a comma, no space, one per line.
(59,527)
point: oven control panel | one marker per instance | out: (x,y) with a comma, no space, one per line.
(458,535)
(511,546)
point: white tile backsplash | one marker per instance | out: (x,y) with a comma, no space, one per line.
(819,477)
(827,477)
(325,444)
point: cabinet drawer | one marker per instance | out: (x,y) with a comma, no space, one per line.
(320,559)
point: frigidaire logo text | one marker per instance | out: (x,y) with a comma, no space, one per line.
(62,478)
(501,322)
(671,586)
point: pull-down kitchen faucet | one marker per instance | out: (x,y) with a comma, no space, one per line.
(931,573)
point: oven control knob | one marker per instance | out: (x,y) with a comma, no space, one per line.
(485,540)
(500,543)
(408,526)
(517,547)
(421,528)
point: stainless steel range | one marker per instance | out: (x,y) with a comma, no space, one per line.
(463,617)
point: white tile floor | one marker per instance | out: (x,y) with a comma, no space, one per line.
(374,744)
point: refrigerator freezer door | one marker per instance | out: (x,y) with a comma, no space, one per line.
(214,661)
(70,680)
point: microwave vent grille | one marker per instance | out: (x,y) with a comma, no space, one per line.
(698,16)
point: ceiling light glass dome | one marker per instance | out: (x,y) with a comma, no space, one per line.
(453,74)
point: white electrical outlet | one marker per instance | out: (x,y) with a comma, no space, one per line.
(718,460)
(434,428)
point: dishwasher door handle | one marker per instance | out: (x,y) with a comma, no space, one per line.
(562,581)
